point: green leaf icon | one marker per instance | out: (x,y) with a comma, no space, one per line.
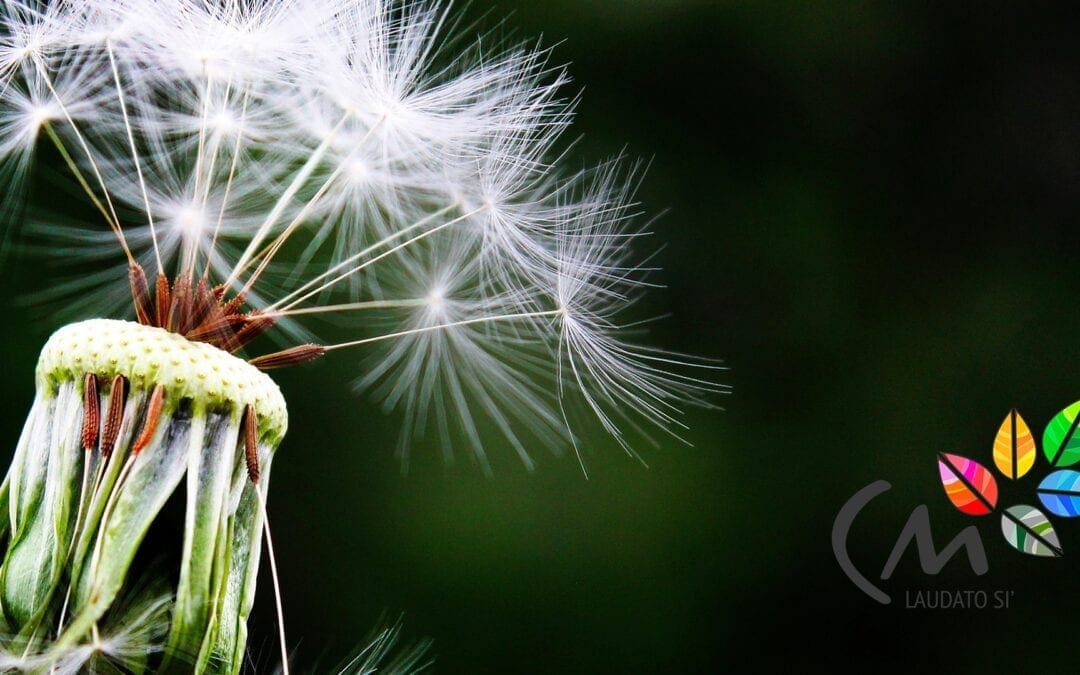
(1061,443)
(1029,531)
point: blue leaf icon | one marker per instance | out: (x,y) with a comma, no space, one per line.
(1060,493)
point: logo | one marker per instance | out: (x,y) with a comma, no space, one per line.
(972,488)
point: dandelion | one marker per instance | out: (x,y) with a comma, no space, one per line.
(259,168)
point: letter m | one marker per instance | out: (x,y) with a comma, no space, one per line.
(918,529)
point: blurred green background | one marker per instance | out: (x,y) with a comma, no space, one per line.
(873,220)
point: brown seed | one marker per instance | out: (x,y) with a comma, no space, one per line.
(289,357)
(181,305)
(233,305)
(251,444)
(164,300)
(218,329)
(153,416)
(202,303)
(140,294)
(255,324)
(114,416)
(91,412)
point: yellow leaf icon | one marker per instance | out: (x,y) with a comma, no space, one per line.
(1014,446)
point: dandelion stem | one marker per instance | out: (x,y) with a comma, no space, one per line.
(272,250)
(465,322)
(217,138)
(134,153)
(190,252)
(77,172)
(286,196)
(351,306)
(357,256)
(296,221)
(114,222)
(229,180)
(214,148)
(199,155)
(354,270)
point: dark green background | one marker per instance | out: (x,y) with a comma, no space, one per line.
(873,219)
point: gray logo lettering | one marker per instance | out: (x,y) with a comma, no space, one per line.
(916,529)
(842,525)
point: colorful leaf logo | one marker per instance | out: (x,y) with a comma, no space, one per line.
(973,490)
(1014,447)
(1060,493)
(968,485)
(1029,531)
(1061,445)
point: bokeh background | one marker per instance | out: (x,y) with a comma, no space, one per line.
(873,218)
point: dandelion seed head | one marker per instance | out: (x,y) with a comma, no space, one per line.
(353,160)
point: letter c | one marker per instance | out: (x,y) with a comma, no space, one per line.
(842,525)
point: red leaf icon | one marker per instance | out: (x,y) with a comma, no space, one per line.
(968,484)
